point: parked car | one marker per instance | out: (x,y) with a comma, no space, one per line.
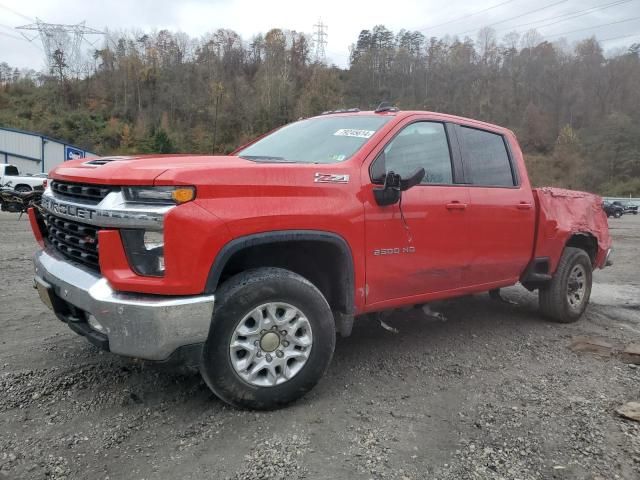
(10,177)
(249,264)
(612,209)
(627,207)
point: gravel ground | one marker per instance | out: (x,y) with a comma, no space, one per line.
(492,392)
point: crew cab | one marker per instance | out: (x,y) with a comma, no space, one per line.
(251,263)
(10,176)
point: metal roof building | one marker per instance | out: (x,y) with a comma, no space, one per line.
(35,153)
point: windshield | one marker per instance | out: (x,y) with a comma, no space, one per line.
(316,140)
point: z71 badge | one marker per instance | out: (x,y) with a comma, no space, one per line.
(331,178)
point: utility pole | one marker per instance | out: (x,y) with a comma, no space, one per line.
(320,41)
(217,91)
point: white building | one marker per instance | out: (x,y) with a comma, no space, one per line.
(35,153)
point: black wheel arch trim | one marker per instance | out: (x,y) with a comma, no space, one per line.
(281,236)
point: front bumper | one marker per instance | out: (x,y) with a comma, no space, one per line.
(150,327)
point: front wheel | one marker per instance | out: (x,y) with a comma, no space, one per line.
(23,188)
(271,339)
(566,297)
(617,214)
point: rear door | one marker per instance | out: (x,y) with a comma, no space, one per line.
(418,246)
(501,213)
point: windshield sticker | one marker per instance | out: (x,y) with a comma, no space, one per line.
(352,132)
(337,157)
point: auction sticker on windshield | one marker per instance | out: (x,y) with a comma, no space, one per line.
(352,132)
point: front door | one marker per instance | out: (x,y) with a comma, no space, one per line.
(419,245)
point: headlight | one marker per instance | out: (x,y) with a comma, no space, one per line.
(145,251)
(159,195)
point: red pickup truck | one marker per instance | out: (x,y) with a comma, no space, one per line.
(249,264)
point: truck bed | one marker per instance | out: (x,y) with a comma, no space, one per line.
(563,213)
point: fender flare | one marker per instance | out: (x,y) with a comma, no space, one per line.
(281,236)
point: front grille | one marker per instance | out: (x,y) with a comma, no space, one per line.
(77,191)
(76,241)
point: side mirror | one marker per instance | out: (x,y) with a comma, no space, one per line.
(413,180)
(394,185)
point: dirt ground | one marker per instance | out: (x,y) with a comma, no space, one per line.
(492,392)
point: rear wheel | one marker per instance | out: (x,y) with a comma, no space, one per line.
(566,297)
(617,214)
(271,339)
(23,188)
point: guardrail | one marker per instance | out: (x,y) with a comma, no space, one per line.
(624,200)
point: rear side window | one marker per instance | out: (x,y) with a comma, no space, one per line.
(486,157)
(11,171)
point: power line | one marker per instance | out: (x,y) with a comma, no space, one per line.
(465,16)
(13,36)
(586,12)
(569,15)
(594,27)
(16,13)
(619,37)
(517,16)
(6,26)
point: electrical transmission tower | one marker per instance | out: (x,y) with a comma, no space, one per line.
(61,43)
(320,41)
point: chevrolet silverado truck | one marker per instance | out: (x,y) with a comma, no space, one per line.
(250,264)
(10,176)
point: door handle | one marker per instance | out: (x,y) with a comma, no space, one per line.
(456,205)
(524,206)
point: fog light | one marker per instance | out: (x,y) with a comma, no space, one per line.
(153,239)
(145,251)
(93,323)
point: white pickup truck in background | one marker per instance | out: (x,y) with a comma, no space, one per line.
(10,177)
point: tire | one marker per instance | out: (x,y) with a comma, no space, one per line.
(23,188)
(241,302)
(617,214)
(554,299)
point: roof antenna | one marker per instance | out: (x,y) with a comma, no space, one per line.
(386,107)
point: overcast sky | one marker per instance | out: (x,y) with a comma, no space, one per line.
(345,19)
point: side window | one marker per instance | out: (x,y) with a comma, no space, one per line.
(11,171)
(419,145)
(487,158)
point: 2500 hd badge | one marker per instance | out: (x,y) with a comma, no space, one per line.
(393,251)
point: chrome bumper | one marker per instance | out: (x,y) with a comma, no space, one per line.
(150,327)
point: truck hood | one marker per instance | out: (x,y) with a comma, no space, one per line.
(140,170)
(213,175)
